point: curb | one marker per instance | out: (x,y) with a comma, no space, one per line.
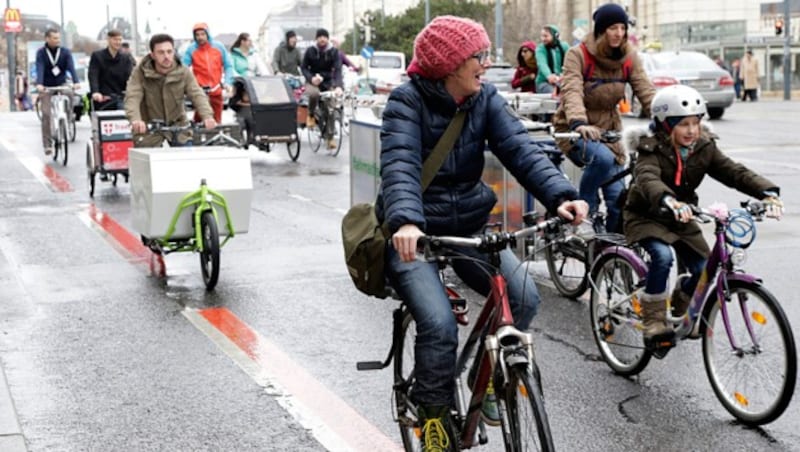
(11,439)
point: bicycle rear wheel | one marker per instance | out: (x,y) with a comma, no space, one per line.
(209,256)
(615,313)
(754,380)
(566,263)
(406,411)
(528,428)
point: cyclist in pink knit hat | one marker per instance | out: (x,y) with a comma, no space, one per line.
(450,56)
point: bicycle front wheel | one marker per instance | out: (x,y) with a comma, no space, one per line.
(63,138)
(751,360)
(616,314)
(338,131)
(315,133)
(566,263)
(294,149)
(209,256)
(406,411)
(527,426)
(72,129)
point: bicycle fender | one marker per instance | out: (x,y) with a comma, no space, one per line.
(742,277)
(626,253)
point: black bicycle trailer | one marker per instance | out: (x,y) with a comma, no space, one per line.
(267,112)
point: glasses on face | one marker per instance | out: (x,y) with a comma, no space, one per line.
(482,57)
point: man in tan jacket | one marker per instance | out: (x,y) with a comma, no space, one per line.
(156,91)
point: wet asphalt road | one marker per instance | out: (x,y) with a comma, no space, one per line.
(101,355)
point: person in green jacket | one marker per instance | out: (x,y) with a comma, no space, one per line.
(549,57)
(246,62)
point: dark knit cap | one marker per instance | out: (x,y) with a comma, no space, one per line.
(608,15)
(322,32)
(290,34)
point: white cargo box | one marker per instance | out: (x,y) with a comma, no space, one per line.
(161,177)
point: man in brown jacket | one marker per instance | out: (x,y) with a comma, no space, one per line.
(156,91)
(589,101)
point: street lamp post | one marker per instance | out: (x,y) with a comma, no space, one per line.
(498,30)
(12,63)
(787,49)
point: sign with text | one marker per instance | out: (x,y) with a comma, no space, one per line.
(13,20)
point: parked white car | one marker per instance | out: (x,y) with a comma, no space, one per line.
(387,69)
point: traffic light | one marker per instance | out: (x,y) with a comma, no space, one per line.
(778,27)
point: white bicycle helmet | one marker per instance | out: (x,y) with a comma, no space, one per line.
(677,101)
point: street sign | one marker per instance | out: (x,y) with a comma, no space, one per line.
(13,20)
(367,52)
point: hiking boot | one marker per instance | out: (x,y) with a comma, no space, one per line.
(654,315)
(680,302)
(435,420)
(331,143)
(311,121)
(489,411)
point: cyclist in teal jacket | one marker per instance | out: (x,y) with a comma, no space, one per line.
(549,59)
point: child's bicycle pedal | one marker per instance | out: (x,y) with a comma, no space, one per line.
(659,346)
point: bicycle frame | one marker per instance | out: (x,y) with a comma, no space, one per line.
(494,324)
(718,267)
(59,107)
(201,200)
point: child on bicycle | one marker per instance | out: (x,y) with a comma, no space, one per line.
(450,56)
(675,153)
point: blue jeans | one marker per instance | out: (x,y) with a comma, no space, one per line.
(661,262)
(545,88)
(599,165)
(436,345)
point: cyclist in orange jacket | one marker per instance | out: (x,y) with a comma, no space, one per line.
(211,66)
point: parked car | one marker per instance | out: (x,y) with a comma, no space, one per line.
(499,74)
(693,69)
(387,69)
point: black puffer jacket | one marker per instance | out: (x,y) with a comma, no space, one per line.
(457,202)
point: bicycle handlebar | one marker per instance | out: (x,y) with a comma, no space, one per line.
(159,125)
(757,209)
(58,89)
(608,136)
(489,241)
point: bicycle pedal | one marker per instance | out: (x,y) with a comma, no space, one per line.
(659,346)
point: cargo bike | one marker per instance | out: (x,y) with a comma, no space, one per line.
(175,208)
(107,150)
(266,110)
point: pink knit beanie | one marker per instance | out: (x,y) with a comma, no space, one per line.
(445,43)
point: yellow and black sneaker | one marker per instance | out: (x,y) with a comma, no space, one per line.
(436,431)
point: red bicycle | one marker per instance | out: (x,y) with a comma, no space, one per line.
(495,350)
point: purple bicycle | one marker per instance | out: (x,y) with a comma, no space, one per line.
(748,347)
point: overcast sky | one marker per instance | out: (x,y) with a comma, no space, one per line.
(175,17)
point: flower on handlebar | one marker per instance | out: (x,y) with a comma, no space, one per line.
(719,210)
